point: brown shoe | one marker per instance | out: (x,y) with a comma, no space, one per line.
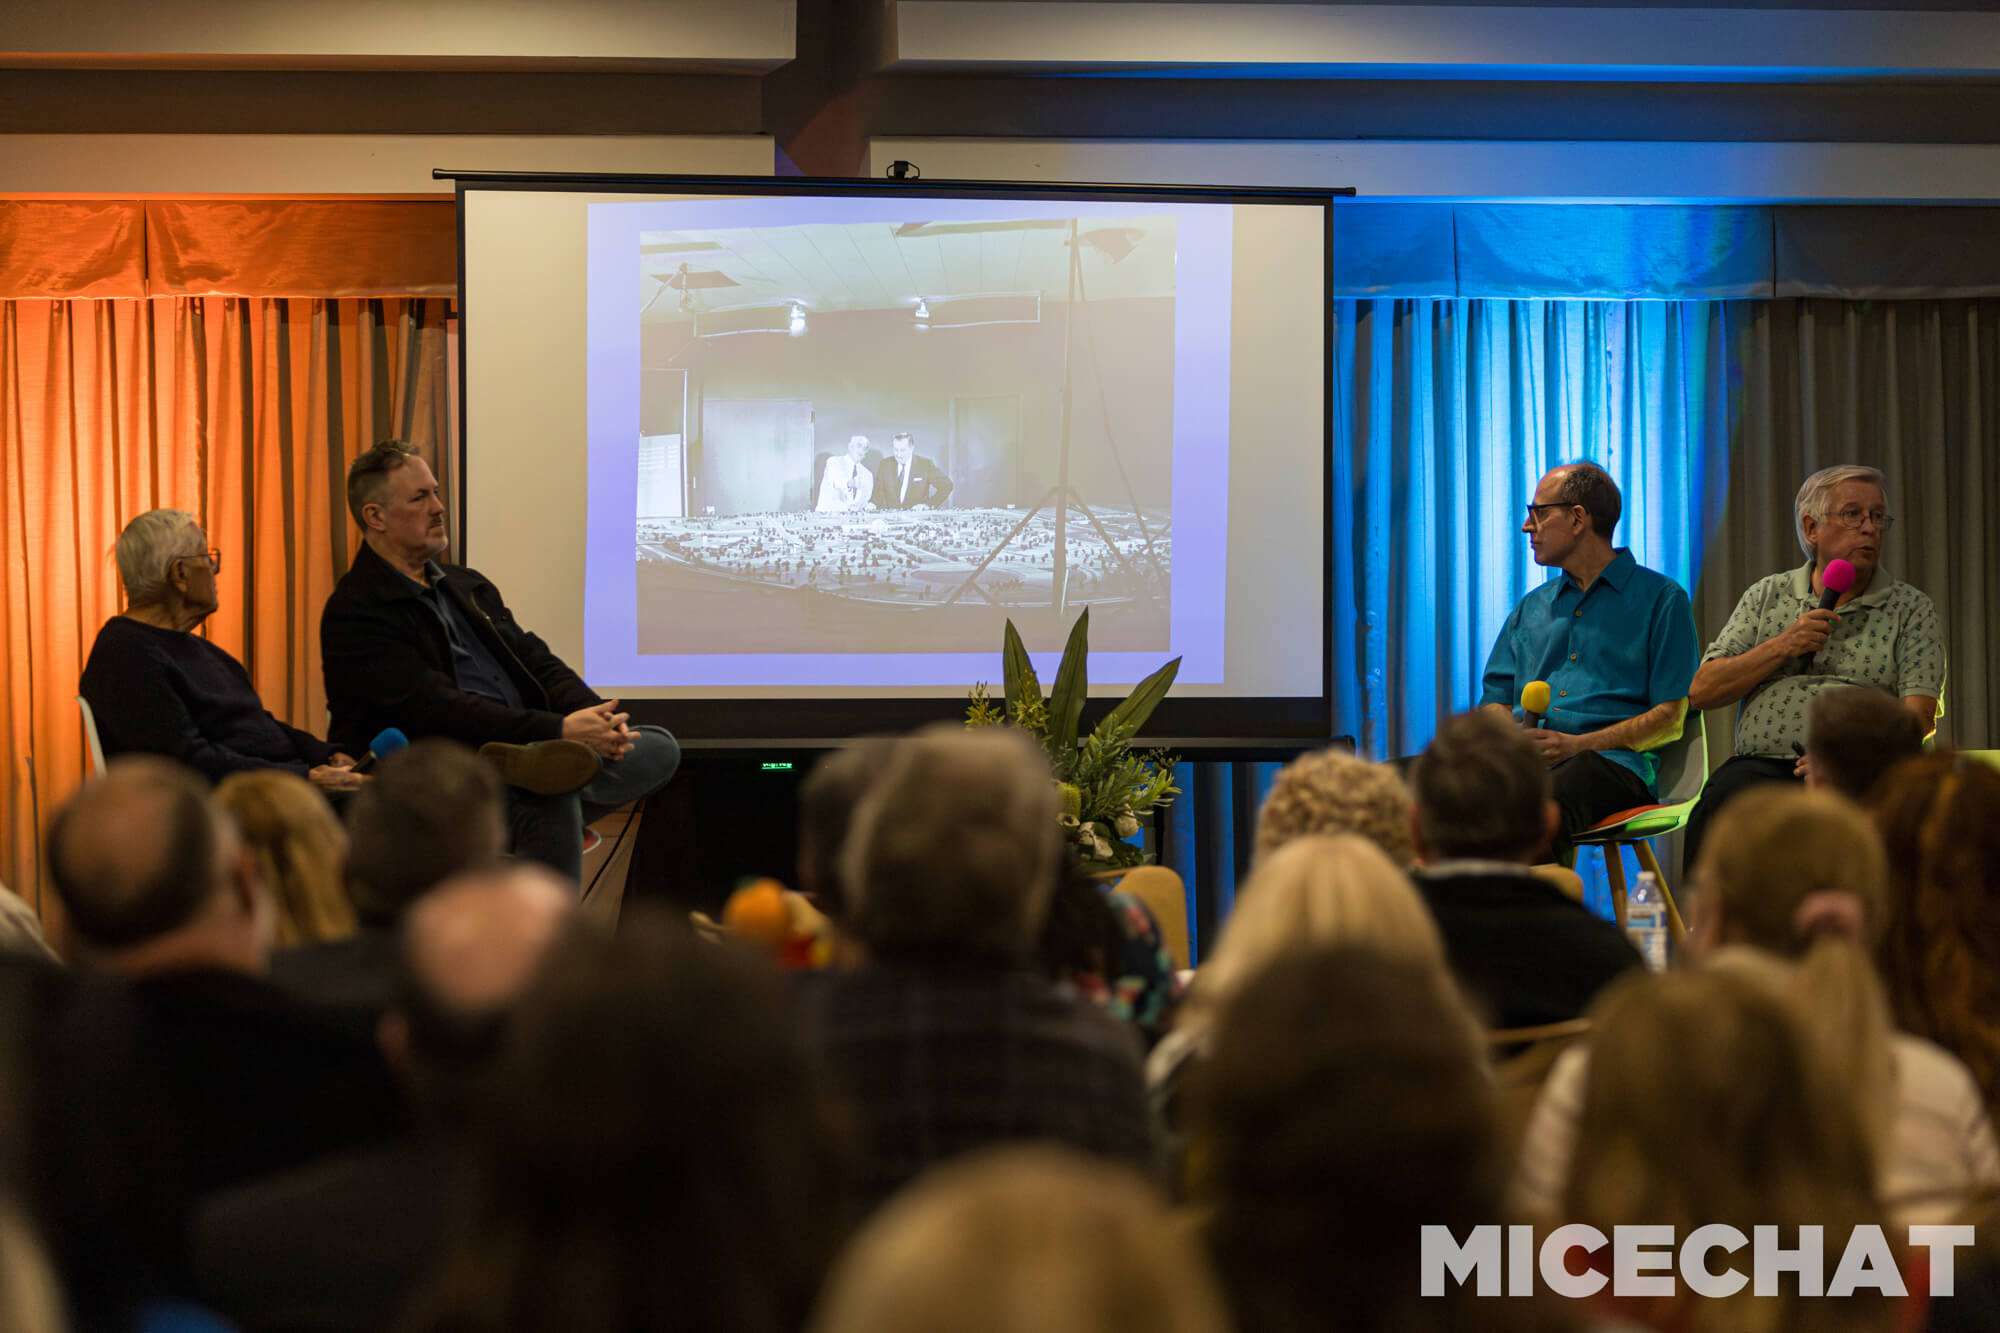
(546,768)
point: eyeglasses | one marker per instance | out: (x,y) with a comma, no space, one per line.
(1852,518)
(212,555)
(1534,517)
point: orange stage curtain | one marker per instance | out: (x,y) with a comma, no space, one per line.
(294,247)
(245,412)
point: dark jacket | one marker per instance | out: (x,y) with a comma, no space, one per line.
(1525,949)
(928,485)
(936,1061)
(169,692)
(388,662)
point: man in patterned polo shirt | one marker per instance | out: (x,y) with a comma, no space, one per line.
(1614,641)
(1779,650)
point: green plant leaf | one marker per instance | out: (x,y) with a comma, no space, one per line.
(1131,715)
(1066,699)
(1020,678)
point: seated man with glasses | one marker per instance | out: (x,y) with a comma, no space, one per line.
(157,687)
(1614,641)
(1780,650)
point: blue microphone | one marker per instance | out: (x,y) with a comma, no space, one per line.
(387,741)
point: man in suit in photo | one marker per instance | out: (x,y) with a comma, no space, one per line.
(907,480)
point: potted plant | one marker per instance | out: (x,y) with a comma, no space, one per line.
(1104,785)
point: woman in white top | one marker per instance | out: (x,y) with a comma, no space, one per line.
(1791,886)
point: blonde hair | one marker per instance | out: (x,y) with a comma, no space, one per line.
(1707,1102)
(1332,791)
(148,547)
(31,1300)
(1802,875)
(1024,1240)
(301,852)
(1316,891)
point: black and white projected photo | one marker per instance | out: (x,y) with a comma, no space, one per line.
(853,435)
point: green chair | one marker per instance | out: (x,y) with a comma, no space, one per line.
(1683,773)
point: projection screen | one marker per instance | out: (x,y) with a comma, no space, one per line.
(776,460)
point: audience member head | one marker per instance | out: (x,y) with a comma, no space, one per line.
(1316,892)
(1800,875)
(655,1154)
(300,850)
(1784,867)
(433,810)
(470,949)
(1855,735)
(1024,1240)
(1482,793)
(1333,791)
(152,876)
(164,563)
(1344,1105)
(954,848)
(1706,1102)
(826,814)
(1940,822)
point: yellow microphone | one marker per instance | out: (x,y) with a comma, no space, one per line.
(1535,700)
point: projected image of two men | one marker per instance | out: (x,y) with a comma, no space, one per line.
(885,436)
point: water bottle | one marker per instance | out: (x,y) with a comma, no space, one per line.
(1646,920)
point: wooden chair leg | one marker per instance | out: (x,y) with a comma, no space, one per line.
(1647,860)
(1614,870)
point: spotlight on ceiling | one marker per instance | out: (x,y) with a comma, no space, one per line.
(797,326)
(923,315)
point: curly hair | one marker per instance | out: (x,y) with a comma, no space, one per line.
(1332,791)
(1940,954)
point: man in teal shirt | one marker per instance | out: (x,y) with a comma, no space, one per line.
(1614,641)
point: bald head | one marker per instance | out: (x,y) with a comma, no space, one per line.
(137,853)
(470,948)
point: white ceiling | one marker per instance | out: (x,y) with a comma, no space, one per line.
(868,266)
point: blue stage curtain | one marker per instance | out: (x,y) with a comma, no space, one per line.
(1448,413)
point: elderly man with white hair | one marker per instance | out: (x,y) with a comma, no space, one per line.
(945,1040)
(1781,649)
(157,687)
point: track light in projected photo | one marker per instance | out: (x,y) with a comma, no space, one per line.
(797,326)
(923,315)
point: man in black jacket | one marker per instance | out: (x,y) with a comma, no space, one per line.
(1484,813)
(433,650)
(908,480)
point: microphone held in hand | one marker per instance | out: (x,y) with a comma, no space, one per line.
(1835,579)
(387,741)
(1535,701)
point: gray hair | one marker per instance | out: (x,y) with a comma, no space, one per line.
(1812,500)
(955,847)
(368,475)
(148,548)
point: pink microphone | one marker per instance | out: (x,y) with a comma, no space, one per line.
(1836,579)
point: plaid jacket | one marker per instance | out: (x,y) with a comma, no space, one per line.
(937,1061)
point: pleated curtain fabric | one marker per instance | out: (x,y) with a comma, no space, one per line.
(244,412)
(1709,414)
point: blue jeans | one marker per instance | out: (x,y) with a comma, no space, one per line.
(549,829)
